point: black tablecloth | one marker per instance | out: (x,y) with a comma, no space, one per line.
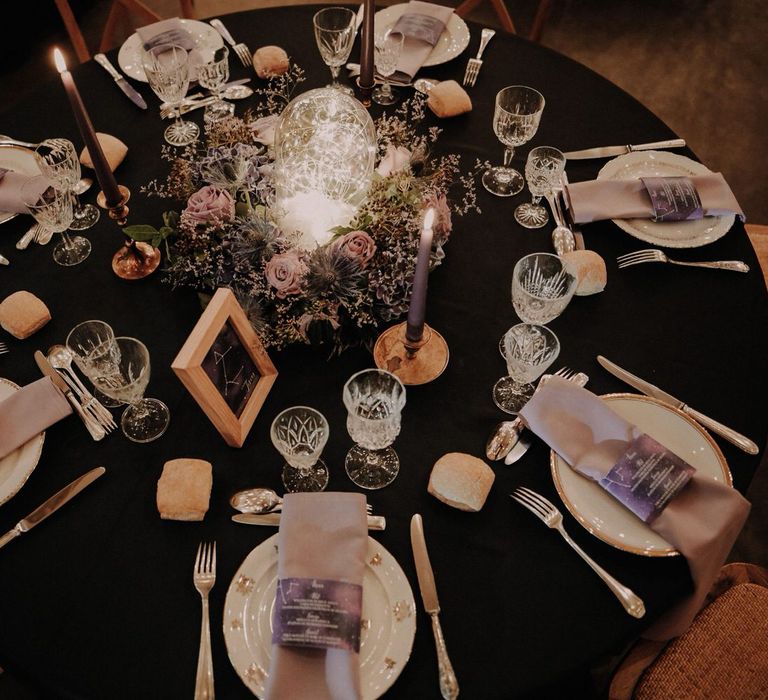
(98,601)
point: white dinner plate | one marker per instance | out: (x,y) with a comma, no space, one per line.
(668,234)
(20,160)
(601,513)
(388,619)
(206,39)
(16,467)
(453,40)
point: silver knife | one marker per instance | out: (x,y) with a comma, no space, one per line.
(122,83)
(449,686)
(96,431)
(375,522)
(608,151)
(653,391)
(52,504)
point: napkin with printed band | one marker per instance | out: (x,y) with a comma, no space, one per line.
(322,543)
(29,411)
(167,31)
(421,25)
(699,516)
(656,198)
(11,183)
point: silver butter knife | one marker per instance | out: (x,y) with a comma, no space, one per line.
(51,505)
(122,83)
(609,151)
(742,442)
(375,522)
(449,686)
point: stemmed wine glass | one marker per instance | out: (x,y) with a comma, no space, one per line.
(543,171)
(213,75)
(93,348)
(145,419)
(515,121)
(52,208)
(335,34)
(299,434)
(529,350)
(541,287)
(59,162)
(374,399)
(167,70)
(387,51)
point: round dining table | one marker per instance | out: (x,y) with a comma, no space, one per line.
(98,601)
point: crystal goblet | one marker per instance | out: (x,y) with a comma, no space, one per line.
(299,434)
(213,75)
(335,34)
(529,350)
(167,70)
(374,399)
(386,55)
(92,344)
(541,287)
(543,171)
(515,121)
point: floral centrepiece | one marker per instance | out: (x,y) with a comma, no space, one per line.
(343,286)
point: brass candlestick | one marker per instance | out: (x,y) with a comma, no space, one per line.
(411,362)
(365,94)
(135,259)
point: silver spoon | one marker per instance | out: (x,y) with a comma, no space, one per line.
(82,186)
(424,85)
(259,500)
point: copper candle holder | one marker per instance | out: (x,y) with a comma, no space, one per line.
(134,260)
(365,93)
(412,363)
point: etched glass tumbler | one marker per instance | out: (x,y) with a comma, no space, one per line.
(543,171)
(299,434)
(529,350)
(541,287)
(374,399)
(335,34)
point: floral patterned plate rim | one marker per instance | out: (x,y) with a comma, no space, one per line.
(388,619)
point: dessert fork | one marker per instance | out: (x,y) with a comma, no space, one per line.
(552,518)
(474,64)
(655,255)
(242,51)
(204,577)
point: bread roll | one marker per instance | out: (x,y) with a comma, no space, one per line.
(448,99)
(22,314)
(461,481)
(184,489)
(114,151)
(588,268)
(270,61)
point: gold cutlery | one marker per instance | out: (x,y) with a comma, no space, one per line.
(375,522)
(655,255)
(204,577)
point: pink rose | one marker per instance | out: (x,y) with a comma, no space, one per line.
(442,225)
(395,159)
(285,272)
(209,204)
(264,129)
(357,245)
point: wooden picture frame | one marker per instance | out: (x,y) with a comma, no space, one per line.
(231,396)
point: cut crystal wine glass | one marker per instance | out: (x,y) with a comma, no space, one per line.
(93,348)
(299,434)
(515,121)
(213,75)
(543,171)
(387,51)
(541,287)
(335,34)
(167,70)
(374,399)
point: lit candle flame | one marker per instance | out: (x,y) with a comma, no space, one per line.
(429,218)
(58,59)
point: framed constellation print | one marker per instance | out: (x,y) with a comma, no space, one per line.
(225,367)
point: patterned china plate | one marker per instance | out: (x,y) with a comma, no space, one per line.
(206,39)
(669,234)
(453,40)
(388,625)
(601,513)
(16,467)
(20,160)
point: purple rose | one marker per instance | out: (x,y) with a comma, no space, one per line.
(209,204)
(442,225)
(264,129)
(285,272)
(395,159)
(357,245)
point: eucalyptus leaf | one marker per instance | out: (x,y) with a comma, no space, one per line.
(141,232)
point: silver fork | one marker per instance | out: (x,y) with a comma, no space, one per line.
(242,51)
(474,64)
(551,516)
(655,255)
(204,577)
(4,349)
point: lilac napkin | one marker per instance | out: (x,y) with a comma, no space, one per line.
(421,25)
(10,191)
(323,537)
(701,522)
(167,31)
(595,200)
(29,411)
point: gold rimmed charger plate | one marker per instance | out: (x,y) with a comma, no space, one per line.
(600,513)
